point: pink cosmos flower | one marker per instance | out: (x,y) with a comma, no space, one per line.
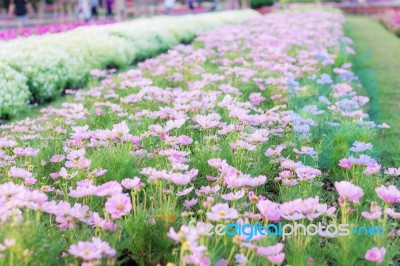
(99,112)
(240,259)
(208,121)
(376,255)
(96,221)
(256,98)
(393,171)
(270,250)
(29,152)
(108,189)
(118,205)
(6,143)
(307,173)
(57,158)
(276,258)
(233,195)
(275,152)
(182,179)
(190,203)
(92,250)
(375,213)
(133,184)
(306,151)
(256,181)
(392,213)
(9,242)
(222,211)
(185,191)
(359,146)
(348,191)
(372,169)
(120,129)
(19,173)
(216,162)
(269,210)
(388,194)
(30,181)
(345,163)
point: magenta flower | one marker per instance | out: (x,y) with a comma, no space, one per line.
(376,255)
(348,191)
(222,211)
(118,205)
(345,163)
(388,194)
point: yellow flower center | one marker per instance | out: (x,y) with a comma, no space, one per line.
(222,213)
(186,245)
(120,207)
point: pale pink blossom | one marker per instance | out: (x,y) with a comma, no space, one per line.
(376,255)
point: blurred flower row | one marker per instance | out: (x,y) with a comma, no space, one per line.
(38,68)
(10,34)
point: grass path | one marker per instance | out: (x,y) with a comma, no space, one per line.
(378,65)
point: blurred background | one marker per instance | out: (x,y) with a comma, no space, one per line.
(42,12)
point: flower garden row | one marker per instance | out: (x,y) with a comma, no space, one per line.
(391,20)
(261,121)
(38,68)
(9,34)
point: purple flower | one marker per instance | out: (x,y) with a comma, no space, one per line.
(361,146)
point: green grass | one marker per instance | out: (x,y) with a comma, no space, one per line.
(377,64)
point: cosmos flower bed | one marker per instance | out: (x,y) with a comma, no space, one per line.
(391,20)
(258,122)
(44,66)
(9,34)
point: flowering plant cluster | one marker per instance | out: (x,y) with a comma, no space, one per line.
(257,122)
(9,34)
(391,20)
(47,64)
